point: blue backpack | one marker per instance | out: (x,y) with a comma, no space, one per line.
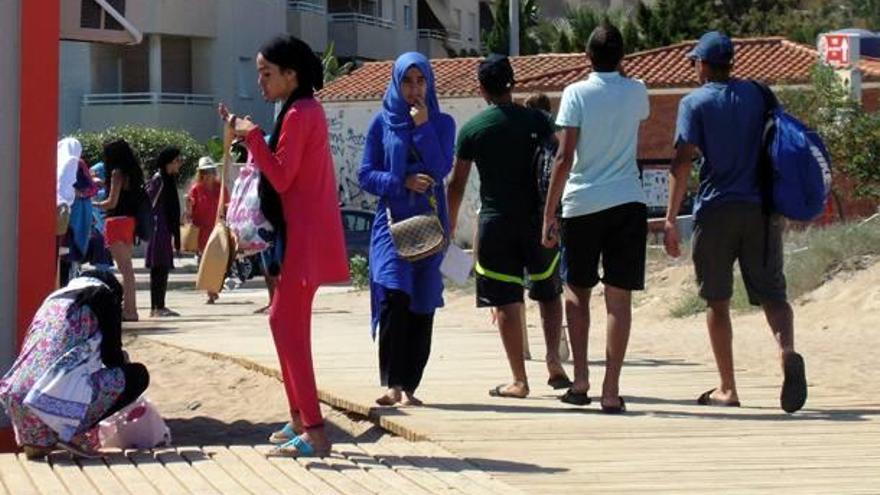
(796,166)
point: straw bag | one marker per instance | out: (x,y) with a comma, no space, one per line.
(189,238)
(220,250)
(419,236)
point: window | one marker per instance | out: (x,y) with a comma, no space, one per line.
(244,76)
(371,7)
(473,32)
(93,16)
(394,11)
(407,14)
(109,21)
(90,15)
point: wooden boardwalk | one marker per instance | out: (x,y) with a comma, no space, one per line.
(389,466)
(664,444)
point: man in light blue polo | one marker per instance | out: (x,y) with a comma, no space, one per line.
(724,121)
(604,215)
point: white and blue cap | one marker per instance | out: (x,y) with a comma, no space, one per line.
(714,48)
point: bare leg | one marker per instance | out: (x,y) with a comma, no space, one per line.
(781,319)
(618,303)
(122,255)
(551,321)
(794,387)
(577,313)
(510,326)
(721,337)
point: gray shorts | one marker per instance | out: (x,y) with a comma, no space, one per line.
(736,232)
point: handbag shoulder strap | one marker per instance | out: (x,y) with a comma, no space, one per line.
(432,200)
(158,193)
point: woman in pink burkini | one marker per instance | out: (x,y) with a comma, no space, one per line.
(299,167)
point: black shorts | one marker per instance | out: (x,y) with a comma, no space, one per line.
(510,257)
(618,236)
(737,232)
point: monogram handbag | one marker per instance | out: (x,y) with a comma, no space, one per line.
(419,236)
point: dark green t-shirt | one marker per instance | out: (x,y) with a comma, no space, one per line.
(502,141)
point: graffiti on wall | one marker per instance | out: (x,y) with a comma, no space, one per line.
(347,135)
(655,182)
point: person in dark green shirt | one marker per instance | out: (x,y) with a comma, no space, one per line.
(502,141)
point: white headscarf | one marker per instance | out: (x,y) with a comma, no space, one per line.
(69,151)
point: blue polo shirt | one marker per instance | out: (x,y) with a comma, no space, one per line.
(607,108)
(725,120)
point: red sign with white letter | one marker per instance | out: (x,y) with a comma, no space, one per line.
(835,49)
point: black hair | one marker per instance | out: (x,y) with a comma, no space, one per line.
(605,47)
(719,72)
(294,54)
(118,155)
(496,75)
(166,156)
(539,101)
(107,279)
(105,301)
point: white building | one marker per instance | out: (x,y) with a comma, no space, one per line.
(196,53)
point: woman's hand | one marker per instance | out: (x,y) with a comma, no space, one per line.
(240,126)
(419,112)
(419,182)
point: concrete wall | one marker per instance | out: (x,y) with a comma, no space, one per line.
(348,122)
(9,162)
(176,17)
(309,27)
(234,50)
(371,42)
(76,60)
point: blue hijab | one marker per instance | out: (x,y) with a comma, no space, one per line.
(395,109)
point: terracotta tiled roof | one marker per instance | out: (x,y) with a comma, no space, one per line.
(772,60)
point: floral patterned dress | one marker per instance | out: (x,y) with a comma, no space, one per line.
(58,326)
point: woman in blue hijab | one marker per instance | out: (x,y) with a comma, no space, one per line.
(407,155)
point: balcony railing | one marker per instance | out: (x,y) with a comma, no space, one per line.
(432,34)
(355,18)
(314,6)
(95,99)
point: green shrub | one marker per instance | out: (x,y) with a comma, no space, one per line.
(359,268)
(146,142)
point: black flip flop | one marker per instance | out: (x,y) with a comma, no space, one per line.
(794,386)
(575,398)
(620,409)
(559,382)
(497,392)
(705,399)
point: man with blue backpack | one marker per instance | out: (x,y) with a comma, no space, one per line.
(724,120)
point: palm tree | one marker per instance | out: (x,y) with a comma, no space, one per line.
(497,40)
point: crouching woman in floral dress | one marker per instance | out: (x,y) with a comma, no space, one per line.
(71,372)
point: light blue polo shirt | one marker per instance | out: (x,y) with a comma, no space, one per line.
(607,108)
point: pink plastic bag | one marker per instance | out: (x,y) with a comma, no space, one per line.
(244,216)
(137,426)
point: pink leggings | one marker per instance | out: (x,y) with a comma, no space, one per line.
(291,320)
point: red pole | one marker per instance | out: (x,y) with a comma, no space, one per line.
(38,124)
(39,30)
